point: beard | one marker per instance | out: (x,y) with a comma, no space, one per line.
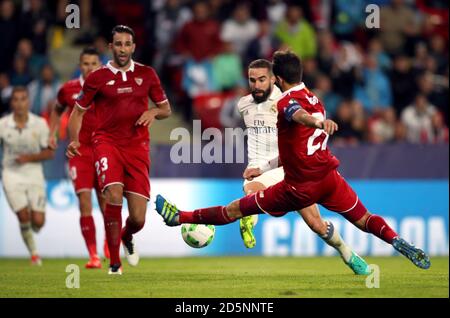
(119,62)
(263,97)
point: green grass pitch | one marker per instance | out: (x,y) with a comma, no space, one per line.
(237,277)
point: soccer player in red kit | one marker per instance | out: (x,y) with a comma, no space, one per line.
(311,174)
(81,168)
(119,95)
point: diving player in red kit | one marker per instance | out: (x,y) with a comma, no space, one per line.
(119,95)
(310,170)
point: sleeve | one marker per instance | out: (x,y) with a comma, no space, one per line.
(44,134)
(292,107)
(88,92)
(155,91)
(60,98)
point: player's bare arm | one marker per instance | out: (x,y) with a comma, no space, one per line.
(44,154)
(302,117)
(55,120)
(161,111)
(74,126)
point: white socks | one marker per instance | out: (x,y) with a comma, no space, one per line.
(332,238)
(27,235)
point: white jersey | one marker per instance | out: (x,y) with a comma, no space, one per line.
(261,123)
(15,142)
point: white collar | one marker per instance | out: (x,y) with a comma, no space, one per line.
(12,123)
(115,70)
(275,93)
(298,87)
(81,79)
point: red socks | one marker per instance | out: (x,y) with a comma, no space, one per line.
(377,226)
(113,227)
(216,215)
(88,230)
(129,229)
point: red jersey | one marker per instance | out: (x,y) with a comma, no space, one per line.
(119,99)
(67,96)
(302,150)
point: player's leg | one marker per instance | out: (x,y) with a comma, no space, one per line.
(24,217)
(113,223)
(326,231)
(102,204)
(37,201)
(274,198)
(87,226)
(345,201)
(110,175)
(137,207)
(247,223)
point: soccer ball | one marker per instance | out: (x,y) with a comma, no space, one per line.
(197,235)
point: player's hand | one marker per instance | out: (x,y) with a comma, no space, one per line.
(22,159)
(146,118)
(329,126)
(72,149)
(251,173)
(52,142)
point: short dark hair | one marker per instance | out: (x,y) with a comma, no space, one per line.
(122,29)
(19,88)
(89,51)
(261,63)
(288,66)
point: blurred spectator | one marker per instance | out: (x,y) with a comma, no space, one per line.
(43,91)
(347,63)
(402,83)
(310,72)
(376,49)
(263,46)
(435,88)
(276,10)
(398,26)
(440,130)
(439,52)
(418,120)
(34,25)
(374,90)
(326,52)
(348,16)
(5,93)
(227,70)
(323,90)
(9,31)
(351,130)
(382,127)
(295,33)
(101,45)
(34,61)
(420,57)
(436,17)
(199,38)
(221,9)
(240,29)
(20,75)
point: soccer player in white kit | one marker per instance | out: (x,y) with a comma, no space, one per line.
(259,112)
(23,137)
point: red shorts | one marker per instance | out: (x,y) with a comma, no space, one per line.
(332,192)
(82,171)
(128,166)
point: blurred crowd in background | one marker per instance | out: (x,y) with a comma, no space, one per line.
(380,85)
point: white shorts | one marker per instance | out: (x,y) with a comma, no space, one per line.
(268,178)
(20,196)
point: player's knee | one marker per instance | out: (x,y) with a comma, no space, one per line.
(114,194)
(24,216)
(233,210)
(138,220)
(37,222)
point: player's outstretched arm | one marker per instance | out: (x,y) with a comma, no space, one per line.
(303,117)
(74,126)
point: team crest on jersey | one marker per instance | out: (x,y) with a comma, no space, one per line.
(111,82)
(138,80)
(74,96)
(273,109)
